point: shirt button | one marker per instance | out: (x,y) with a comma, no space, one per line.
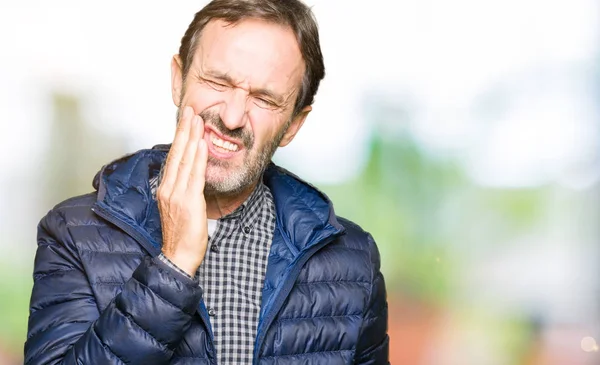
(214,248)
(211,312)
(247,229)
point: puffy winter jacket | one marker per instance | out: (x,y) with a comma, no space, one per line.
(101,295)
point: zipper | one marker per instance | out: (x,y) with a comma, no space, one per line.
(283,293)
(154,251)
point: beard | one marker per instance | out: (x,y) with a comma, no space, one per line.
(228,178)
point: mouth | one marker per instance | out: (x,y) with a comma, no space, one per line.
(220,146)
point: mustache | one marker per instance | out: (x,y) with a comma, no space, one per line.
(239,134)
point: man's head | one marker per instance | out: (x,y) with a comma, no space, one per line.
(250,69)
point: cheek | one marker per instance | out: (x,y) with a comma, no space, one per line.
(264,126)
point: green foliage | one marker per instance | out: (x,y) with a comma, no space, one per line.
(426,215)
(15,291)
(399,199)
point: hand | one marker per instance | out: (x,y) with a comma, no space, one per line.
(181,195)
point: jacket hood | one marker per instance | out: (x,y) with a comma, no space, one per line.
(305,215)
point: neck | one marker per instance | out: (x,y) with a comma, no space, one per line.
(219,205)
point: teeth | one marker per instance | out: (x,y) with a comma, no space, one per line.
(216,141)
(223,144)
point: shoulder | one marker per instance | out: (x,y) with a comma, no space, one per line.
(73,223)
(53,233)
(357,238)
(73,211)
(354,252)
(73,226)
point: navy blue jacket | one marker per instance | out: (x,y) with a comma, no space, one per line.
(101,295)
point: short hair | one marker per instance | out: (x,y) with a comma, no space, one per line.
(290,13)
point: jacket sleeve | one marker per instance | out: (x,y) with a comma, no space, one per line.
(142,325)
(373,342)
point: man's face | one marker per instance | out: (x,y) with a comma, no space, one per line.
(243,82)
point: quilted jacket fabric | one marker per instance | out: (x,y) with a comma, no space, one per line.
(101,295)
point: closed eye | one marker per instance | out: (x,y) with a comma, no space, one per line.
(264,103)
(216,85)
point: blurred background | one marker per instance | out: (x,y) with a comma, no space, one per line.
(464,135)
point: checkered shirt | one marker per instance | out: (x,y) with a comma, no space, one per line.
(233,272)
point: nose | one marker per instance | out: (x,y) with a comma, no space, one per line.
(233,110)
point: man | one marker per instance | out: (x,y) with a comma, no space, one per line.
(205,252)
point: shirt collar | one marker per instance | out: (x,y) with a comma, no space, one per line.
(250,209)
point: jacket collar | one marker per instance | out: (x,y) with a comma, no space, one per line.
(305,216)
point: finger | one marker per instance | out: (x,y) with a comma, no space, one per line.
(198,174)
(177,149)
(187,161)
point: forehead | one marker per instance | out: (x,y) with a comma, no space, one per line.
(253,52)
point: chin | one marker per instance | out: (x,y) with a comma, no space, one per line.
(217,173)
(222,181)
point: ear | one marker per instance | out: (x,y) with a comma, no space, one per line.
(176,80)
(294,127)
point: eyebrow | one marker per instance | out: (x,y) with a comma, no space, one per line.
(256,91)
